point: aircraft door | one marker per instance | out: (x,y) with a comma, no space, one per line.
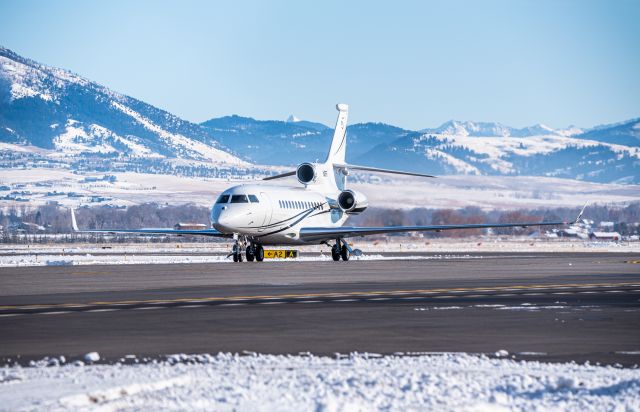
(267,209)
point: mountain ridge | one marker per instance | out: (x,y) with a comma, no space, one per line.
(82,125)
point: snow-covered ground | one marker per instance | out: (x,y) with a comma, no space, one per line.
(443,382)
(165,253)
(133,259)
(487,192)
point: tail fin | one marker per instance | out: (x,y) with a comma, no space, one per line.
(339,142)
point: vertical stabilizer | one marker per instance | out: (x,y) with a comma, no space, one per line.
(339,142)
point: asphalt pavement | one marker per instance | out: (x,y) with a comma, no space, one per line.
(552,307)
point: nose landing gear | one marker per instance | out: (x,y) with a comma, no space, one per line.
(253,251)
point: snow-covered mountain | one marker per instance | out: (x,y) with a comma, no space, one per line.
(274,142)
(623,133)
(51,117)
(494,129)
(71,117)
(604,154)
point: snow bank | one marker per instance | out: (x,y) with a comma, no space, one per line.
(357,382)
(132,259)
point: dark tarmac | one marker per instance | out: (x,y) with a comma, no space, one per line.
(549,307)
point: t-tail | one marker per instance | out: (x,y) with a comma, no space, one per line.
(336,158)
(338,148)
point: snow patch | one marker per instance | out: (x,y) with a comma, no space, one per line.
(447,381)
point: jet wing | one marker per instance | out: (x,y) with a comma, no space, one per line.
(148,231)
(327,233)
(311,234)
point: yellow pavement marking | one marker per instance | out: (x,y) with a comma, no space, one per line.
(319,295)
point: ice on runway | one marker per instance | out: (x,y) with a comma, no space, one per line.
(447,381)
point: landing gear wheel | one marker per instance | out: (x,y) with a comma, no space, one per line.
(259,252)
(251,253)
(344,252)
(239,256)
(335,252)
(235,257)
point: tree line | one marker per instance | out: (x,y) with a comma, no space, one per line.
(53,219)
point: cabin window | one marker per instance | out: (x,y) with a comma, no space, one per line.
(254,199)
(239,199)
(223,199)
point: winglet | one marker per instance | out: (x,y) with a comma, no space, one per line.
(581,212)
(74,224)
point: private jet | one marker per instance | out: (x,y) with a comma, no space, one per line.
(312,212)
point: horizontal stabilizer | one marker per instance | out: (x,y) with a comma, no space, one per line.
(378,170)
(280,176)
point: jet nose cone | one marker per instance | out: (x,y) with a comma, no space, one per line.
(224,221)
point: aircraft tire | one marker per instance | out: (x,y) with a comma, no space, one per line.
(251,253)
(259,253)
(335,253)
(344,252)
(239,256)
(235,257)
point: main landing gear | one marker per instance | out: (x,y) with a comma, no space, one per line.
(340,250)
(253,251)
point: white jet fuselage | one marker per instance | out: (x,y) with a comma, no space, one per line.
(273,215)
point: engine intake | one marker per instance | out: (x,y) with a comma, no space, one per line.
(306,173)
(352,202)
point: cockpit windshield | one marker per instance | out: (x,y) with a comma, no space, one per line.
(223,199)
(239,199)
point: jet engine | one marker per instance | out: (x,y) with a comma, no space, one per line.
(306,173)
(352,202)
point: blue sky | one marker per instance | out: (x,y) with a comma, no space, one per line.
(412,64)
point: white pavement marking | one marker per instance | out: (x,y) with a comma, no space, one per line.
(102,310)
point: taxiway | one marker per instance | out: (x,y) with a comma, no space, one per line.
(547,306)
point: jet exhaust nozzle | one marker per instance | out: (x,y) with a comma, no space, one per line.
(352,202)
(306,173)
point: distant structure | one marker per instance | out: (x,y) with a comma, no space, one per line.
(606,226)
(605,236)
